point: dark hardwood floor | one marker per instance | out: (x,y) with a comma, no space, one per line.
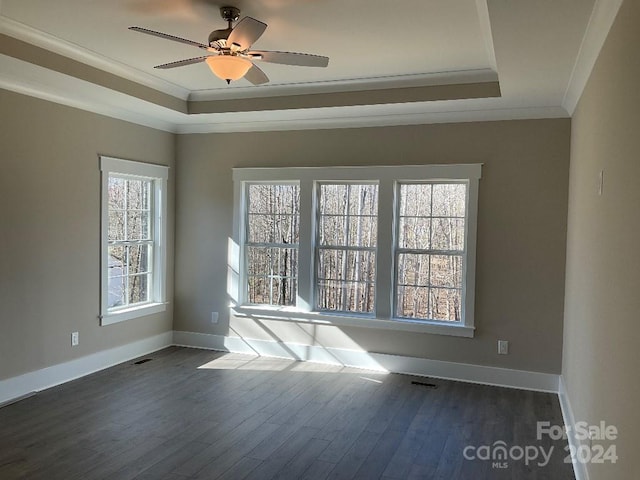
(197,414)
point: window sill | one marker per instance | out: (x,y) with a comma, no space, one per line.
(316,318)
(131,313)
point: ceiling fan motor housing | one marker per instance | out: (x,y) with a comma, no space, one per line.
(230,15)
(218,35)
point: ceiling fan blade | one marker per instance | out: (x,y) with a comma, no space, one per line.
(182,63)
(256,76)
(290,58)
(247,31)
(169,37)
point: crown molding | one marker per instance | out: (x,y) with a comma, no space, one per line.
(602,17)
(363,120)
(88,106)
(32,80)
(487,35)
(54,44)
(459,77)
(35,81)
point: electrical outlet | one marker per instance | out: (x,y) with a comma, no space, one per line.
(503,347)
(75,339)
(214,318)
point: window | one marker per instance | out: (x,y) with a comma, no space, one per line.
(346,247)
(133,239)
(271,244)
(429,254)
(380,247)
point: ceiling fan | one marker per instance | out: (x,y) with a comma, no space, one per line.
(229,54)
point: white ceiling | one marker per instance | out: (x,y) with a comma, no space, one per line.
(366,39)
(532,47)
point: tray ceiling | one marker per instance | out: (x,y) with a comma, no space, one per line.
(504,55)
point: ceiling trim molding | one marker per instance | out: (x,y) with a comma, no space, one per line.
(87,106)
(350,99)
(54,44)
(39,82)
(602,17)
(35,81)
(380,120)
(485,26)
(459,77)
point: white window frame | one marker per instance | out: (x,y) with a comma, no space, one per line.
(397,250)
(387,178)
(158,175)
(245,242)
(317,248)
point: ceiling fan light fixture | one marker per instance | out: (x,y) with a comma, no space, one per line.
(229,67)
(229,52)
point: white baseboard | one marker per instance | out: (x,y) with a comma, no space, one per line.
(502,377)
(24,385)
(579,469)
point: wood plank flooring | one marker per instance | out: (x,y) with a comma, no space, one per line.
(197,414)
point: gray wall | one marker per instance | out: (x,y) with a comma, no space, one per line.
(602,306)
(521,233)
(50,230)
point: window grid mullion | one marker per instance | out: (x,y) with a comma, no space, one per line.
(132,243)
(350,248)
(344,258)
(125,236)
(272,245)
(418,251)
(429,313)
(125,233)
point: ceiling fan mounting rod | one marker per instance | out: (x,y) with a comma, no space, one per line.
(230,14)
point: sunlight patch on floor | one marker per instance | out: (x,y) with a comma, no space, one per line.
(237,361)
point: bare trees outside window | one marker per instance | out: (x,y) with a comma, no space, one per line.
(130,241)
(133,210)
(430,250)
(378,246)
(271,247)
(346,247)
